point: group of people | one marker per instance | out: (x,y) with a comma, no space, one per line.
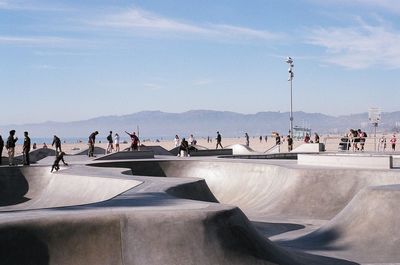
(26,148)
(135,142)
(382,143)
(185,146)
(354,139)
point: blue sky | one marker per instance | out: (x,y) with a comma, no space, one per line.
(73,60)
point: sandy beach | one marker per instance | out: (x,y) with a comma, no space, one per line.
(331,144)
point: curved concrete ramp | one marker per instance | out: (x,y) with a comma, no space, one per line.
(366,229)
(240,149)
(23,188)
(97,151)
(271,189)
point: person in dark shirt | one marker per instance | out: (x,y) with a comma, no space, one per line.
(26,148)
(57,143)
(183,147)
(316,138)
(56,164)
(110,145)
(290,143)
(219,139)
(1,148)
(10,145)
(91,142)
(135,141)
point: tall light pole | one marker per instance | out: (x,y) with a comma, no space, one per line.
(289,61)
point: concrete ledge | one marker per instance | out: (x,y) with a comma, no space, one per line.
(128,155)
(310,148)
(211,152)
(364,161)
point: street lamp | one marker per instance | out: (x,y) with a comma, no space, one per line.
(289,61)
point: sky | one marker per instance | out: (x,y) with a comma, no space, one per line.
(75,60)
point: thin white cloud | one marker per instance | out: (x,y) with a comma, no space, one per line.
(138,20)
(359,47)
(41,41)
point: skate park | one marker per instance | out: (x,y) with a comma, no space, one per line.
(163,209)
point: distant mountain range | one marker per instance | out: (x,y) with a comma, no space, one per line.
(157,124)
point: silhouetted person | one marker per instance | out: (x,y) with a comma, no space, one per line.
(91,142)
(290,143)
(277,139)
(57,143)
(219,139)
(260,138)
(183,147)
(316,138)
(266,138)
(135,141)
(10,145)
(247,139)
(110,146)
(56,164)
(1,148)
(26,148)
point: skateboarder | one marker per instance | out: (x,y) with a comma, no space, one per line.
(26,148)
(56,164)
(135,141)
(92,140)
(57,143)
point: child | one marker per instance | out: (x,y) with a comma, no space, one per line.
(56,164)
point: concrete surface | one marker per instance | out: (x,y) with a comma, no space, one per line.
(168,210)
(309,148)
(127,155)
(347,160)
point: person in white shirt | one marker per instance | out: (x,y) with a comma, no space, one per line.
(177,141)
(116,142)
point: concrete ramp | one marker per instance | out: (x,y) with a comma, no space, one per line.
(366,229)
(274,150)
(23,188)
(272,190)
(156,149)
(97,151)
(240,149)
(309,148)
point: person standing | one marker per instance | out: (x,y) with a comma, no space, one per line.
(57,143)
(110,146)
(382,144)
(219,139)
(91,142)
(192,141)
(290,143)
(135,141)
(247,139)
(177,140)
(393,141)
(1,148)
(116,141)
(26,148)
(316,138)
(10,145)
(266,138)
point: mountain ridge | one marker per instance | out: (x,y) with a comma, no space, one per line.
(202,122)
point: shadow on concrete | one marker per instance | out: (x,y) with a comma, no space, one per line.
(132,200)
(317,240)
(272,229)
(20,246)
(13,187)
